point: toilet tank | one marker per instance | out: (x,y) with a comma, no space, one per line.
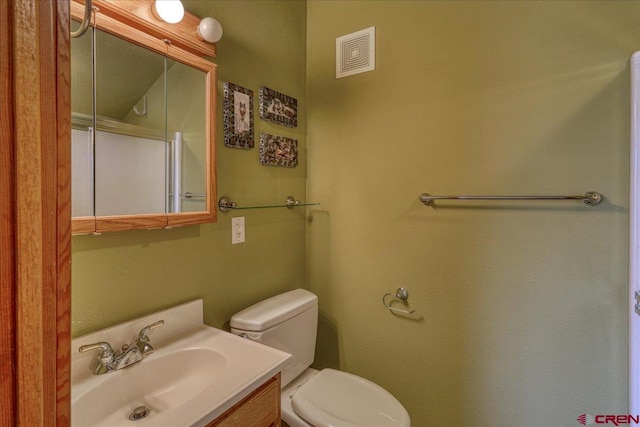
(288,322)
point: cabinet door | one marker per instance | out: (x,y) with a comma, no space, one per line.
(260,409)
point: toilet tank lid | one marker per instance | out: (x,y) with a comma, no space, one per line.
(274,310)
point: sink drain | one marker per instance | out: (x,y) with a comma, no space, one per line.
(140,413)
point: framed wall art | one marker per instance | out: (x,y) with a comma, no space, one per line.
(278,108)
(238,116)
(278,151)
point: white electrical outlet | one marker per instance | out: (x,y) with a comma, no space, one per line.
(237,230)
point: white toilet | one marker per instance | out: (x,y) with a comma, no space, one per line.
(326,398)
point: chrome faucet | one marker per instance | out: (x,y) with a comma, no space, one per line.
(108,361)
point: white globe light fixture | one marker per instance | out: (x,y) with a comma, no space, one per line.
(171,11)
(210,30)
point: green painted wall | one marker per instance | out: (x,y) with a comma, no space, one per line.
(522,314)
(521,307)
(120,276)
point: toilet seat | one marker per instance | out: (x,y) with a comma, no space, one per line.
(339,399)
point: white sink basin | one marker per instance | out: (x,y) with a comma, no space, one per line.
(161,384)
(188,381)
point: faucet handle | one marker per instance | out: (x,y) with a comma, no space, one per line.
(142,335)
(142,340)
(106,353)
(100,365)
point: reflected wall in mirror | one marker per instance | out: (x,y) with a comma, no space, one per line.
(143,131)
(81,138)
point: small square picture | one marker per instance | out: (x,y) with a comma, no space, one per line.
(238,116)
(278,151)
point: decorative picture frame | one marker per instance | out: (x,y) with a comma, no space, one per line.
(278,151)
(238,116)
(278,108)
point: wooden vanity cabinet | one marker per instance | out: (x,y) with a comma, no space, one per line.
(261,408)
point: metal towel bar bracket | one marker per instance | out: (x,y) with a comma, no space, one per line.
(401,294)
(590,198)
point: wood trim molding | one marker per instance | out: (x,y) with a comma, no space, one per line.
(130,222)
(30,236)
(83,225)
(138,13)
(7,221)
(40,142)
(63,215)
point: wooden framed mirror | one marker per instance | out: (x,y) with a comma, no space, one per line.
(143,121)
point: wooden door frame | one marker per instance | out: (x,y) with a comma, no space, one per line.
(35,216)
(7,245)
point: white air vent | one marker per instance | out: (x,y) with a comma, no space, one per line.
(356,53)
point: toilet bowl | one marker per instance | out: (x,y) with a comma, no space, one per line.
(326,398)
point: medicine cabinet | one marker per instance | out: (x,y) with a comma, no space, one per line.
(143,122)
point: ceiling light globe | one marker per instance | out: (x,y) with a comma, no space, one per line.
(210,30)
(171,11)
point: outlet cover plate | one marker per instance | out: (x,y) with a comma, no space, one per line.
(237,230)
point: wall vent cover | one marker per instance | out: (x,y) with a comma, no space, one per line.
(356,53)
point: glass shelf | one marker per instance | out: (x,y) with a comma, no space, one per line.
(225,204)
